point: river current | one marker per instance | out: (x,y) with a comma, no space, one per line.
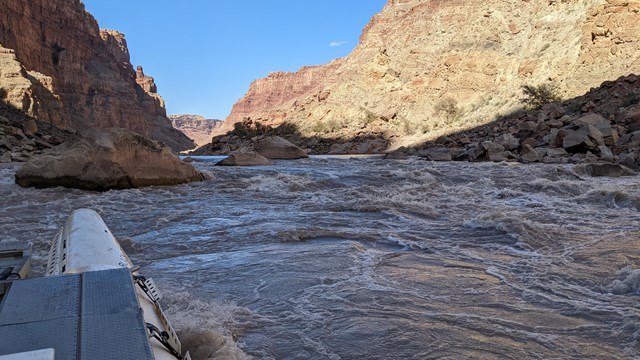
(366,258)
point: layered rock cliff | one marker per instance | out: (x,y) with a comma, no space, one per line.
(433,67)
(266,95)
(58,66)
(196,127)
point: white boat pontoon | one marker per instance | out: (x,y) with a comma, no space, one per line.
(92,304)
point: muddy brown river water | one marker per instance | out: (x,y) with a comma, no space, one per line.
(366,258)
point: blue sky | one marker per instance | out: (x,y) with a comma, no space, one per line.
(204,54)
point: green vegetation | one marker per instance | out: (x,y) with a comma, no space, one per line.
(537,96)
(249,129)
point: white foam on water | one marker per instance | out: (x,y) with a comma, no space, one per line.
(205,328)
(629,282)
(399,244)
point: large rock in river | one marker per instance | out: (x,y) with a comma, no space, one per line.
(245,158)
(107,159)
(275,147)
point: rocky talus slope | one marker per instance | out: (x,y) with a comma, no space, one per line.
(196,127)
(602,125)
(426,68)
(22,136)
(58,66)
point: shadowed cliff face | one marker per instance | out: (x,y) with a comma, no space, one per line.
(476,55)
(72,74)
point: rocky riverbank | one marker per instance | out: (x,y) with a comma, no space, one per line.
(22,136)
(601,126)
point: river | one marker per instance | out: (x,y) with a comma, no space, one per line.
(366,258)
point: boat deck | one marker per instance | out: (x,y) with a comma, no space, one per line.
(93,315)
(15,263)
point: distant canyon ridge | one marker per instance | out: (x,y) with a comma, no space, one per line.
(426,68)
(58,66)
(196,127)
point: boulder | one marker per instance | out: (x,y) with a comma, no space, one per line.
(369,147)
(631,160)
(594,119)
(586,138)
(607,169)
(436,154)
(340,149)
(15,132)
(245,158)
(555,124)
(529,155)
(275,147)
(605,153)
(107,159)
(501,156)
(509,142)
(632,120)
(5,158)
(556,152)
(398,154)
(492,151)
(4,144)
(30,128)
(20,156)
(609,134)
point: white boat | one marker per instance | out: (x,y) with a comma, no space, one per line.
(92,303)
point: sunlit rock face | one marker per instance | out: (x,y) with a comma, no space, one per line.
(105,159)
(196,127)
(427,67)
(57,65)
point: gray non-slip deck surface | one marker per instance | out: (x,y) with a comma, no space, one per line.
(94,316)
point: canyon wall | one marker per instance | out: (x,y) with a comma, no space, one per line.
(58,66)
(430,67)
(196,127)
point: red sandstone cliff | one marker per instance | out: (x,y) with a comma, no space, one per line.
(196,127)
(57,65)
(476,55)
(279,88)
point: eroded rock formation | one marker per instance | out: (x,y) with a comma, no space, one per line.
(104,159)
(279,88)
(196,127)
(58,66)
(275,147)
(245,158)
(430,67)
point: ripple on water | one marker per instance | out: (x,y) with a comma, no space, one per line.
(369,258)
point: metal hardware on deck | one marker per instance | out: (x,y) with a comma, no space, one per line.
(149,287)
(15,263)
(163,338)
(169,337)
(54,255)
(173,337)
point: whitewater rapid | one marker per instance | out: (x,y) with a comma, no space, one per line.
(366,258)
